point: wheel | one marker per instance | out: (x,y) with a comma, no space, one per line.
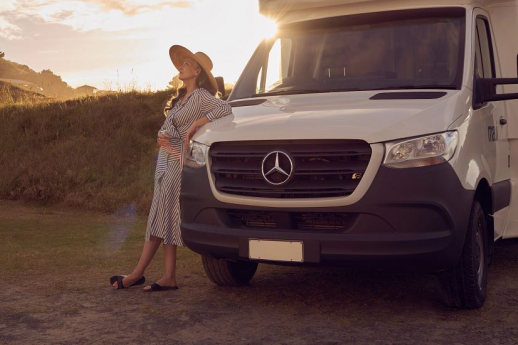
(466,284)
(229,273)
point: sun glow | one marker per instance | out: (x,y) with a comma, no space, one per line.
(228,32)
(268,25)
(123,44)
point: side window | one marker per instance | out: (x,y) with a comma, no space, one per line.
(260,82)
(277,67)
(479,68)
(274,71)
(485,59)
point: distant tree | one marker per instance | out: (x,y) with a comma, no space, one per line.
(48,83)
(53,85)
(2,54)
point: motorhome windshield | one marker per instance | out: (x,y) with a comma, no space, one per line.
(419,49)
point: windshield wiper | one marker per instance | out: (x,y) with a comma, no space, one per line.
(417,87)
(302,91)
(283,92)
(398,87)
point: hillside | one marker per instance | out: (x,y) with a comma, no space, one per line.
(95,152)
(46,81)
(10,94)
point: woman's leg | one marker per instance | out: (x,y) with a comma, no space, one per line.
(148,252)
(169,277)
(170,264)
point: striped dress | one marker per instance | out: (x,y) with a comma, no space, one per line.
(164,216)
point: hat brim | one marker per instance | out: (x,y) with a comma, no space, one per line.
(178,54)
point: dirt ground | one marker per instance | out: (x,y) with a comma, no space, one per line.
(73,303)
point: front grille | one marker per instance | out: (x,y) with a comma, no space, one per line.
(321,221)
(253,219)
(327,168)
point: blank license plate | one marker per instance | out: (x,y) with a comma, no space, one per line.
(276,250)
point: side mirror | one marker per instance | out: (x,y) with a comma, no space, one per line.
(486,89)
(221,86)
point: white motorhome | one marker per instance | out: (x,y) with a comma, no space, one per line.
(368,133)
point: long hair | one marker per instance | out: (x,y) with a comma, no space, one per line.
(202,81)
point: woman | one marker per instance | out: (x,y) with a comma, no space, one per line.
(193,106)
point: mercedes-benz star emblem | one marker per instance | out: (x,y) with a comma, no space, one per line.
(277,168)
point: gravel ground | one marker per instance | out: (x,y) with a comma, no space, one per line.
(281,305)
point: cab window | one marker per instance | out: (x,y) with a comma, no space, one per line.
(484,52)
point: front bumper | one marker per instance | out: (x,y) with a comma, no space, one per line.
(409,219)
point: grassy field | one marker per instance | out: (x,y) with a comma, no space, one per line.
(96,153)
(68,250)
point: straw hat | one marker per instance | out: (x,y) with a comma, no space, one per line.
(179,53)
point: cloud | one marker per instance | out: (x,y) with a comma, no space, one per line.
(131,8)
(87,15)
(8,30)
(7,5)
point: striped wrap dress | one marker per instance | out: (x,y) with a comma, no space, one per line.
(164,216)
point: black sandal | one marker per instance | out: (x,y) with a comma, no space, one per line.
(157,287)
(118,279)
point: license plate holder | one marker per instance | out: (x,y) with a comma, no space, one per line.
(276,250)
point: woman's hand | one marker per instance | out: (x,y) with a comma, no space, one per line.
(190,132)
(192,129)
(163,141)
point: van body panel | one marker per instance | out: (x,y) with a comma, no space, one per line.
(504,21)
(287,11)
(471,169)
(402,218)
(511,228)
(497,147)
(338,115)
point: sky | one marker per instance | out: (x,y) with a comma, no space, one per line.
(112,44)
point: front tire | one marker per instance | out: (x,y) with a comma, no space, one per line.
(466,284)
(229,273)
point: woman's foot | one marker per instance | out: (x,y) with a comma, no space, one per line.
(164,283)
(128,281)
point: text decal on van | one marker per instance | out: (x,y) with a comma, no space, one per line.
(491,133)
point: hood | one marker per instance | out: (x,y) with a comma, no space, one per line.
(343,115)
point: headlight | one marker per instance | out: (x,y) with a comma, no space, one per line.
(420,152)
(197,154)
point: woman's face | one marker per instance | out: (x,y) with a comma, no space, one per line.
(188,70)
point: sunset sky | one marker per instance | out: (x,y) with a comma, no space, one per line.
(105,43)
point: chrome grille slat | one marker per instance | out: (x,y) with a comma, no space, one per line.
(322,168)
(258,184)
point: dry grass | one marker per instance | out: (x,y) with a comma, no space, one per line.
(96,152)
(11,95)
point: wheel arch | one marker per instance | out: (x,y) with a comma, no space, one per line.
(484,196)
